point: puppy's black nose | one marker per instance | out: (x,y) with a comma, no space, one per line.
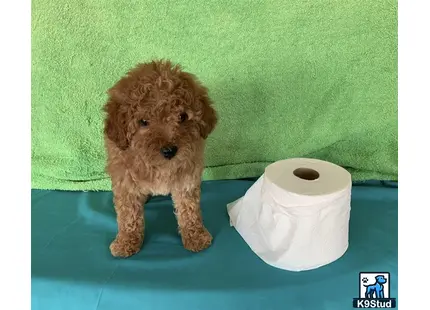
(169,151)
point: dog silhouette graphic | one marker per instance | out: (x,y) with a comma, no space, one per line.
(376,290)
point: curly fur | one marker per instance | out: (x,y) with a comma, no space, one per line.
(157,105)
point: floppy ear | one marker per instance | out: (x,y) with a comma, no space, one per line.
(116,123)
(209,117)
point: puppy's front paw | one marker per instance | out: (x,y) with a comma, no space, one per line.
(125,246)
(196,239)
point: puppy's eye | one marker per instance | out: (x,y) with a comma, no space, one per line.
(143,123)
(183,117)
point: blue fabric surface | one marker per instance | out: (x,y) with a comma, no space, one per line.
(73,269)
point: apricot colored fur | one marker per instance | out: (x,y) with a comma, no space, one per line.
(177,111)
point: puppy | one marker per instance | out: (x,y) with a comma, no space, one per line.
(157,120)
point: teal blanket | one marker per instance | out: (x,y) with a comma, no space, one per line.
(72,268)
(289,79)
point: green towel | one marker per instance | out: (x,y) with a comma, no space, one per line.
(289,79)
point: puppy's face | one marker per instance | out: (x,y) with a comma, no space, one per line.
(159,113)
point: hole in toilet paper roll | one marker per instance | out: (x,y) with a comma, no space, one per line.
(306,174)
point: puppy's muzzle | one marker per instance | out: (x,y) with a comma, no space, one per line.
(169,151)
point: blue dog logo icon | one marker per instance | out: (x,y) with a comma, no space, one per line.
(376,290)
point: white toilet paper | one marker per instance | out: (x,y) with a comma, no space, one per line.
(296,216)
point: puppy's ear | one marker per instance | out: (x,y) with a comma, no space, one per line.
(206,114)
(116,123)
(209,117)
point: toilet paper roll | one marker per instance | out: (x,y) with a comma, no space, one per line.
(296,215)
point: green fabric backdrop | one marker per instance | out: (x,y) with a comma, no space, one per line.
(289,79)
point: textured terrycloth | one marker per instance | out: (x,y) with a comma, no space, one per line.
(288,78)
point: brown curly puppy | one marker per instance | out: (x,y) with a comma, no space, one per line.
(158,118)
